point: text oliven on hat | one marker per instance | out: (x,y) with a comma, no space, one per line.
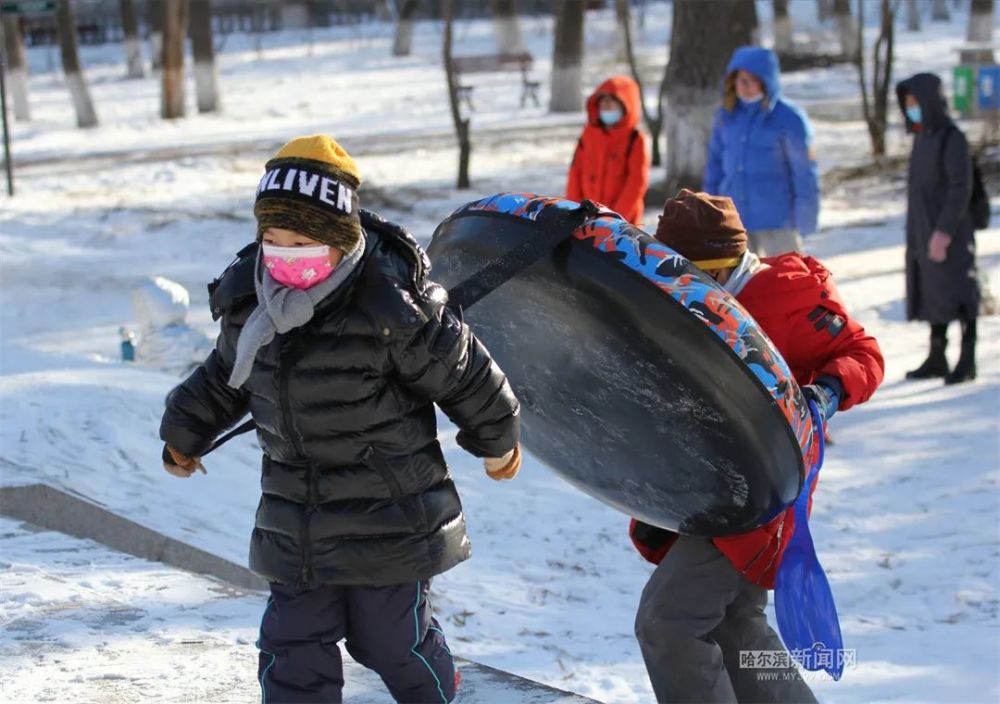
(703,228)
(311,186)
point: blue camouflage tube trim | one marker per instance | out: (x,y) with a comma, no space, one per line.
(700,294)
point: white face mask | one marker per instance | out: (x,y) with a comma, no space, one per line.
(754,100)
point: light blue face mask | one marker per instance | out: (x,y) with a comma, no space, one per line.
(914,114)
(610,117)
(754,100)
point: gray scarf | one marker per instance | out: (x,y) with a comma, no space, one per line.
(282,308)
(749,265)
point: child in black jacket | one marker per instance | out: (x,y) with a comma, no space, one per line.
(335,342)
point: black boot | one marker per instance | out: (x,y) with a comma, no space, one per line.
(936,363)
(965,370)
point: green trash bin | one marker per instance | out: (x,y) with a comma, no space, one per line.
(964,89)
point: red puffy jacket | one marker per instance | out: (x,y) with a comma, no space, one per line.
(611,165)
(795,301)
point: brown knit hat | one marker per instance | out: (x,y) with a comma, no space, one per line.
(311,186)
(703,228)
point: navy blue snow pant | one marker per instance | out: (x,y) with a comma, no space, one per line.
(387,629)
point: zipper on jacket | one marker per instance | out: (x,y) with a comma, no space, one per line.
(287,359)
(777,545)
(412,506)
(760,553)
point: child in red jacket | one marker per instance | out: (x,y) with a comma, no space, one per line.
(611,164)
(705,601)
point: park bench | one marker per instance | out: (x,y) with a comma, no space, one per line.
(91,33)
(40,32)
(493,63)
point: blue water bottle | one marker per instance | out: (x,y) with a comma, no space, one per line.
(128,344)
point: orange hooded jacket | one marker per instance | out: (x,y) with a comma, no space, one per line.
(611,165)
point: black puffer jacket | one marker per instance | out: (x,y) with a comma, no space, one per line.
(355,487)
(939,188)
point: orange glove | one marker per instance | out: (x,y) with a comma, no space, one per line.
(181,465)
(506,467)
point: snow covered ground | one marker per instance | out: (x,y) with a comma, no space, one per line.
(907,515)
(90,624)
(100,626)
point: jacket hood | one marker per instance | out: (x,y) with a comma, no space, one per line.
(626,90)
(783,281)
(763,63)
(926,88)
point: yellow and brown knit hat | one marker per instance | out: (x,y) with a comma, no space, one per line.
(703,228)
(311,186)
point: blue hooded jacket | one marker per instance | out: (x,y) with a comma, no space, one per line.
(760,154)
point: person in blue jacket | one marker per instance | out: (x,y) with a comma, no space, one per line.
(760,155)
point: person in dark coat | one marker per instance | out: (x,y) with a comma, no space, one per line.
(337,344)
(941,281)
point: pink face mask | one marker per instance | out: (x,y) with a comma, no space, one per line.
(298,267)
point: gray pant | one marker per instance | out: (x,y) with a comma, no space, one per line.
(770,243)
(695,616)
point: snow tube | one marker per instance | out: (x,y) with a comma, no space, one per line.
(641,381)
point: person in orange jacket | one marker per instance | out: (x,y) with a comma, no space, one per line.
(705,601)
(611,164)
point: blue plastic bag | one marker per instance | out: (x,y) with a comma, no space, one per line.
(803,600)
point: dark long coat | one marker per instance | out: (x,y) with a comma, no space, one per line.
(939,188)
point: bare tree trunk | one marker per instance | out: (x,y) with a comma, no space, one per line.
(882,68)
(847,28)
(17,66)
(876,107)
(403,43)
(258,25)
(174,30)
(206,77)
(274,14)
(295,14)
(980,21)
(654,122)
(913,15)
(704,35)
(939,11)
(157,12)
(567,58)
(461,124)
(77,84)
(130,40)
(751,10)
(384,10)
(980,32)
(783,43)
(623,26)
(824,10)
(507,27)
